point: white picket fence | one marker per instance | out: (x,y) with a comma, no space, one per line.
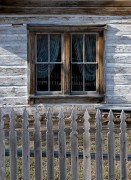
(87,168)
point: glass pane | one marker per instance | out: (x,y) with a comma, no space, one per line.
(55,77)
(77,77)
(42,48)
(55,47)
(90,48)
(77,48)
(90,77)
(42,77)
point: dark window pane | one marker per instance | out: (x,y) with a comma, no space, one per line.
(42,77)
(77,77)
(42,48)
(77,48)
(90,48)
(55,77)
(55,47)
(90,77)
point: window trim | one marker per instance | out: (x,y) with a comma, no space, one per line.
(66,95)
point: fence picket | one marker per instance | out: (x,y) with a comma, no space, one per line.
(50,147)
(123,147)
(25,147)
(2,148)
(99,154)
(86,148)
(74,146)
(37,147)
(111,147)
(62,146)
(13,147)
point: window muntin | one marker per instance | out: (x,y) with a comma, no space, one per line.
(83,62)
(48,63)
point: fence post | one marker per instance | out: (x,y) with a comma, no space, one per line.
(25,147)
(111,147)
(99,153)
(13,147)
(123,147)
(37,147)
(2,147)
(62,146)
(86,148)
(74,146)
(50,147)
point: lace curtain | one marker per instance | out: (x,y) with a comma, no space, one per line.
(42,53)
(90,55)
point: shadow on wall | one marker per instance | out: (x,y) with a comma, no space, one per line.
(118,63)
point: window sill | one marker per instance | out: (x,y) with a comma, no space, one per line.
(66,99)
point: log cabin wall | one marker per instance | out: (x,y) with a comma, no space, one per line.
(13,46)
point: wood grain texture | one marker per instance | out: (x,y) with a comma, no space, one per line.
(99,152)
(86,148)
(25,147)
(62,146)
(13,147)
(67,3)
(37,147)
(123,147)
(111,147)
(74,146)
(50,146)
(2,148)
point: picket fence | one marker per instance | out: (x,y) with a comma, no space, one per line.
(62,147)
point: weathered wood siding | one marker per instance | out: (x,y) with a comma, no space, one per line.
(13,54)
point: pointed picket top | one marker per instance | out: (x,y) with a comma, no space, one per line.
(98,118)
(111,120)
(123,122)
(25,119)
(61,115)
(37,120)
(123,115)
(73,114)
(74,122)
(61,120)
(49,120)
(1,119)
(12,119)
(86,120)
(98,114)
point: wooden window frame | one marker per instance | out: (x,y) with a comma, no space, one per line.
(65,96)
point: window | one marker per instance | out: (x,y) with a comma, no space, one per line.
(65,63)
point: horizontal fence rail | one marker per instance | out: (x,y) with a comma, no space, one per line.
(56,146)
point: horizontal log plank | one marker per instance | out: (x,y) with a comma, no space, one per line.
(13,60)
(118,58)
(13,100)
(67,3)
(118,79)
(13,80)
(69,10)
(126,99)
(12,71)
(13,91)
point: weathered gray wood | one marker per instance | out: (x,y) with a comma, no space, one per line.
(37,147)
(119,99)
(2,148)
(50,146)
(13,91)
(13,80)
(12,71)
(118,79)
(13,101)
(111,148)
(62,146)
(13,60)
(118,68)
(123,147)
(118,89)
(25,147)
(74,146)
(99,154)
(13,147)
(86,148)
